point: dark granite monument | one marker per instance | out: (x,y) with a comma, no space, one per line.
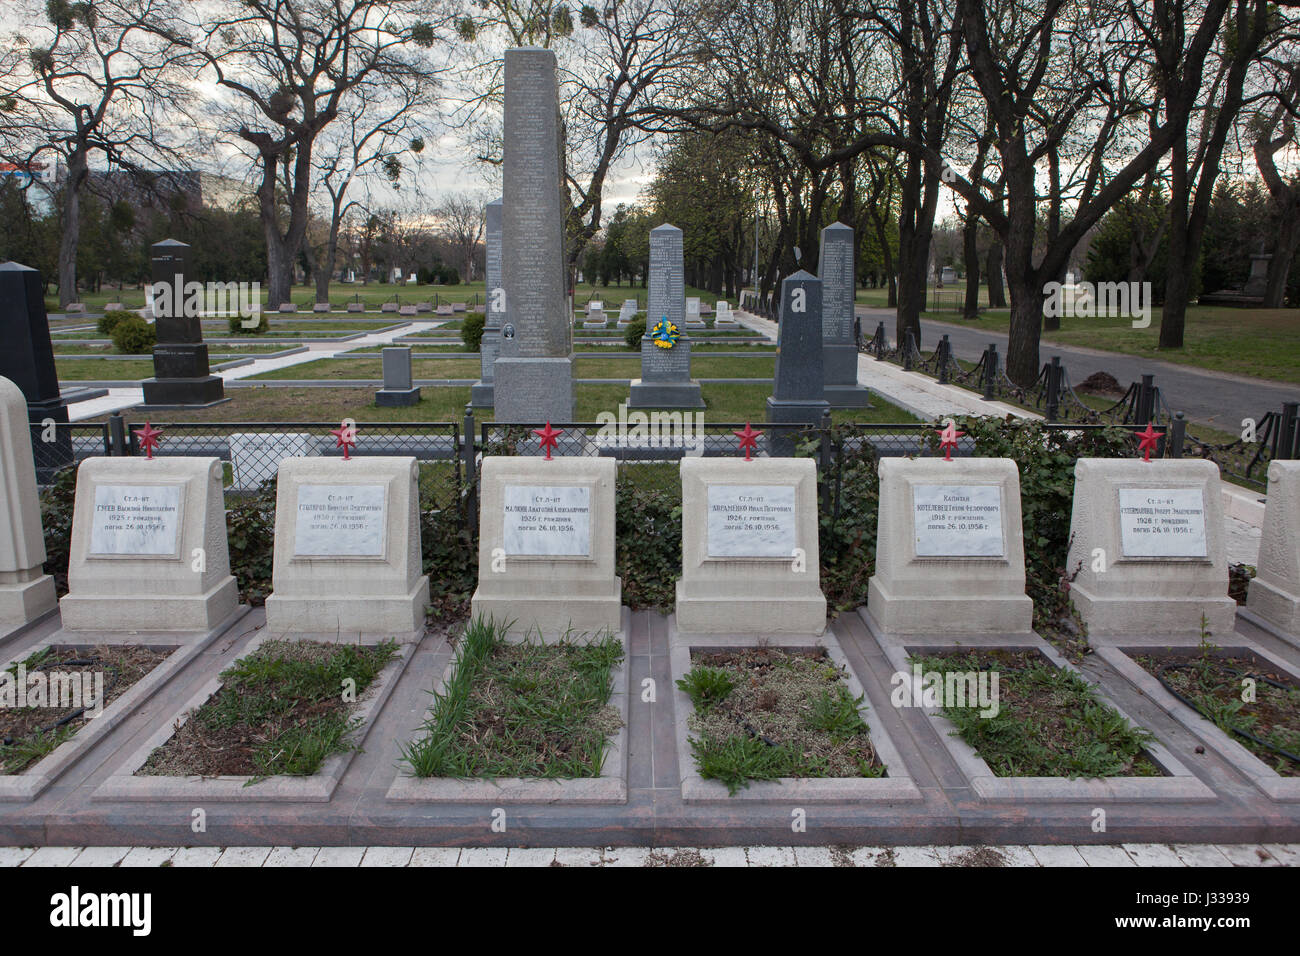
(665,380)
(798,397)
(835,267)
(180,357)
(399,389)
(27,359)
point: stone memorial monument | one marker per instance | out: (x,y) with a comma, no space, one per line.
(347,548)
(665,380)
(750,559)
(546,545)
(148,549)
(1147,542)
(399,389)
(627,313)
(180,357)
(692,318)
(1275,590)
(798,396)
(26,591)
(480,393)
(27,360)
(836,268)
(534,369)
(950,552)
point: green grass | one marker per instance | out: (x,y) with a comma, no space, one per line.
(1049,722)
(627,365)
(103,369)
(520,710)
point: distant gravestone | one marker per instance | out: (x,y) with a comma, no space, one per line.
(481,393)
(950,555)
(692,318)
(356,307)
(443,309)
(180,357)
(534,370)
(725,318)
(26,591)
(27,360)
(148,549)
(836,268)
(627,313)
(399,389)
(339,522)
(321,307)
(407,310)
(288,308)
(798,395)
(665,380)
(388,307)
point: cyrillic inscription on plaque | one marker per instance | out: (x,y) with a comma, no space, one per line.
(958,521)
(1162,522)
(751,521)
(553,522)
(341,521)
(138,520)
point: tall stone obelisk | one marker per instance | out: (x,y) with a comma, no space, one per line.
(836,268)
(534,368)
(665,380)
(480,394)
(798,390)
(27,359)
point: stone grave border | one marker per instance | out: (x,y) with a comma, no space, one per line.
(30,784)
(1181,785)
(897,787)
(1250,617)
(609,788)
(1275,786)
(122,785)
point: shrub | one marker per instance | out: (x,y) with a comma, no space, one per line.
(134,336)
(237,326)
(634,333)
(110,320)
(648,544)
(471,330)
(250,530)
(56,519)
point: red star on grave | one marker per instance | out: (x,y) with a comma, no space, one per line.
(345,437)
(748,441)
(1148,441)
(948,436)
(548,435)
(148,437)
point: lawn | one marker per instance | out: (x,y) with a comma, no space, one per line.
(105,369)
(626,366)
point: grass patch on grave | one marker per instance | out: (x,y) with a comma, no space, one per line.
(1049,720)
(28,734)
(520,709)
(279,711)
(91,370)
(765,713)
(1214,684)
(369,367)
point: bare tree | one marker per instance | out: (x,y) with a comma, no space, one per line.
(93,81)
(461,218)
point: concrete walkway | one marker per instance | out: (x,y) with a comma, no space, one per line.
(1215,398)
(1124,855)
(120,398)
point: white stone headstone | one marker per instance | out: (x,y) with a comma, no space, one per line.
(148,550)
(546,545)
(750,559)
(1147,540)
(1275,590)
(26,591)
(347,548)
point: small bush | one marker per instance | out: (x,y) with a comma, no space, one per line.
(237,326)
(134,336)
(706,686)
(110,320)
(56,519)
(471,330)
(634,333)
(250,530)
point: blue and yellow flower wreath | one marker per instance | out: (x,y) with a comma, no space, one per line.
(664,334)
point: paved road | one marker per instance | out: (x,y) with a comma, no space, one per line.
(1211,397)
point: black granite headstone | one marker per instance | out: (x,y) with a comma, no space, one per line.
(27,359)
(798,392)
(180,357)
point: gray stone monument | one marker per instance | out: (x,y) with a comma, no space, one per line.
(798,397)
(665,380)
(26,591)
(180,357)
(534,369)
(399,389)
(480,393)
(835,267)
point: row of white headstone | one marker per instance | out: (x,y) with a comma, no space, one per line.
(149,546)
(724,318)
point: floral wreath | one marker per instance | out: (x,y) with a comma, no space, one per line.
(664,334)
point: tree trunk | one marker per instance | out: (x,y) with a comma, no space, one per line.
(971,252)
(1173,316)
(997,294)
(1279,268)
(71,238)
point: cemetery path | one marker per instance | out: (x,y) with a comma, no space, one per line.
(1215,398)
(120,398)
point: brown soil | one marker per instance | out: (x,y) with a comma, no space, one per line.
(122,666)
(1101,383)
(772,700)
